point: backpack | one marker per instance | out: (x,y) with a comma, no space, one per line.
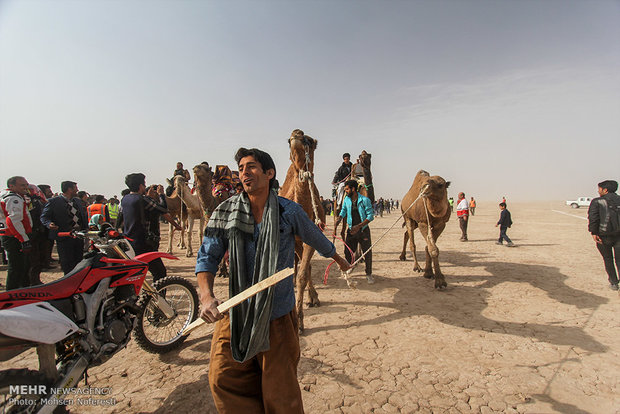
(611,225)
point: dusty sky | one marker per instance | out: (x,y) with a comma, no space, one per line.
(514,98)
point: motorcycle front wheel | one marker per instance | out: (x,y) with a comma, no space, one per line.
(156,333)
(36,386)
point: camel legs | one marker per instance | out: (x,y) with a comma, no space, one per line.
(190,251)
(432,256)
(411,226)
(303,276)
(403,254)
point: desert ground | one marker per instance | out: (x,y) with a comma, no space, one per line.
(529,329)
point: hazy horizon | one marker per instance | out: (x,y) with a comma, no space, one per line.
(515,99)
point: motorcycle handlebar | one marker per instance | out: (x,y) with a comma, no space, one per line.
(112,233)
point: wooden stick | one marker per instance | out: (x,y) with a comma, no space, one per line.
(246,294)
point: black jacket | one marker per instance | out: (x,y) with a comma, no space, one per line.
(504,218)
(598,213)
(57,210)
(342,173)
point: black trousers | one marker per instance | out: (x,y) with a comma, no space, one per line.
(37,257)
(363,239)
(156,267)
(17,272)
(70,253)
(610,248)
(463,226)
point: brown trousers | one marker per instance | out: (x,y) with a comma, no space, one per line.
(266,383)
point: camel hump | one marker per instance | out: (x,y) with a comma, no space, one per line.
(423,173)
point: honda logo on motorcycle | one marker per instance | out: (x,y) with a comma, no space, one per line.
(29,295)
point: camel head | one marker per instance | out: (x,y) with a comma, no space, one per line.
(179,181)
(302,150)
(365,159)
(203,175)
(435,188)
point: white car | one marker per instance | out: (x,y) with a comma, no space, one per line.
(580,202)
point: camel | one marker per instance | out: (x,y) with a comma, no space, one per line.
(194,210)
(431,209)
(175,205)
(367,188)
(300,188)
(204,177)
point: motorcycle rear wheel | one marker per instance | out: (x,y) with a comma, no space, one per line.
(154,332)
(16,403)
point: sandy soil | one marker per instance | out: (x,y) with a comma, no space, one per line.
(528,329)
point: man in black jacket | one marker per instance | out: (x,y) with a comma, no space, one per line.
(603,216)
(66,213)
(340,177)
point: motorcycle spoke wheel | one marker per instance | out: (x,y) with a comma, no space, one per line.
(157,334)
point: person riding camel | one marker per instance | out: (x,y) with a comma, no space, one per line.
(340,177)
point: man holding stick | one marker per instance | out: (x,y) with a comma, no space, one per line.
(255,348)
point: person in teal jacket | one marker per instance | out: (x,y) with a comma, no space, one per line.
(358,211)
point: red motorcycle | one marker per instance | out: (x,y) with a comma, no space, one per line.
(84,318)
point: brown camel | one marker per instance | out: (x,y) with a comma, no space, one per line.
(175,205)
(429,196)
(194,210)
(203,176)
(300,188)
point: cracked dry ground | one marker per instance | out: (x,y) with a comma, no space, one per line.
(529,329)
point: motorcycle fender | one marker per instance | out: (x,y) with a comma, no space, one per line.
(36,322)
(150,256)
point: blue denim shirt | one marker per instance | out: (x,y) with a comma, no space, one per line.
(364,206)
(293,222)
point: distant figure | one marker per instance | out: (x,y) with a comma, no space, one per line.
(472,206)
(451,202)
(113,208)
(462,212)
(604,224)
(505,221)
(83,195)
(504,199)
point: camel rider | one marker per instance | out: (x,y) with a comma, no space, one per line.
(15,228)
(341,176)
(179,171)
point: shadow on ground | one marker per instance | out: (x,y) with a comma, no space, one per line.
(463,306)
